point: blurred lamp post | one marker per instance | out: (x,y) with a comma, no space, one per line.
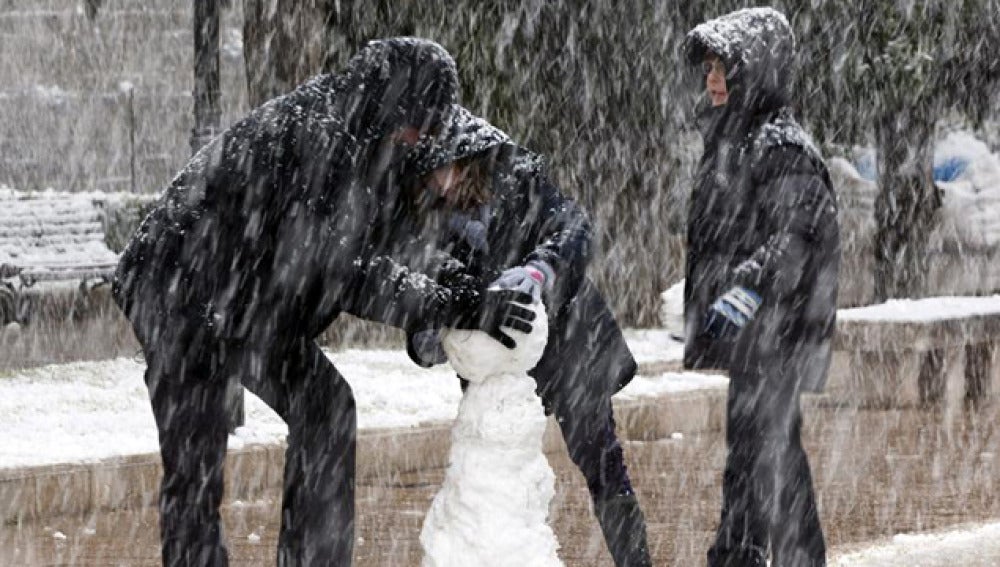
(129,90)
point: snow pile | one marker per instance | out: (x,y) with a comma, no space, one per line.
(493,506)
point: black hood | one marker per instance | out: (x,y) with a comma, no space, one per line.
(395,82)
(464,135)
(757,46)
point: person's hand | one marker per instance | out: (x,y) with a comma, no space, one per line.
(531,279)
(731,312)
(424,348)
(500,310)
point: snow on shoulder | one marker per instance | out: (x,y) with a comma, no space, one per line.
(493,506)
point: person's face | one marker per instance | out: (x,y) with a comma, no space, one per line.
(445,185)
(406,136)
(715,79)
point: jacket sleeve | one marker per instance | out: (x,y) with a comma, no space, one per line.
(796,204)
(389,292)
(563,240)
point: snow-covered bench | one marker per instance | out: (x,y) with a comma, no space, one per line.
(54,239)
(53,236)
(938,351)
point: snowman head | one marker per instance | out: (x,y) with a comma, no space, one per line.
(476,356)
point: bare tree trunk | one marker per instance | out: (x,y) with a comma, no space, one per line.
(906,207)
(285,42)
(207,112)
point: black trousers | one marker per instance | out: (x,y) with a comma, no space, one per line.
(187,375)
(768,500)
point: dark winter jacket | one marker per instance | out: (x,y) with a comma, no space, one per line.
(763,213)
(269,228)
(527,218)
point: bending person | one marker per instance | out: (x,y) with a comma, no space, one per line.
(268,233)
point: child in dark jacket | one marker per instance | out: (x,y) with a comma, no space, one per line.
(492,213)
(761,288)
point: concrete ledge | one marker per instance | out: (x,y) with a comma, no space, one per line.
(945,362)
(877,336)
(34,493)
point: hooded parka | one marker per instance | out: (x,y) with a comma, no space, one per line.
(763,213)
(763,217)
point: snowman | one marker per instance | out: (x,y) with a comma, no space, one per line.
(493,507)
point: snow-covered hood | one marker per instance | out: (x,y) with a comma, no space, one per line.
(757,46)
(465,135)
(398,81)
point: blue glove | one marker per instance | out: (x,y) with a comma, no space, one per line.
(532,278)
(731,312)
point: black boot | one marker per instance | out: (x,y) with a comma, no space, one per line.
(624,529)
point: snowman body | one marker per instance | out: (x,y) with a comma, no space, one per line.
(493,506)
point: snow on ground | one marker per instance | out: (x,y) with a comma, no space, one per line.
(652,345)
(92,410)
(924,310)
(971,546)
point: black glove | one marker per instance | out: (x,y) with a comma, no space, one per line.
(498,309)
(424,348)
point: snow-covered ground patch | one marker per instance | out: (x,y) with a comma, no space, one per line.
(671,383)
(87,411)
(973,546)
(651,345)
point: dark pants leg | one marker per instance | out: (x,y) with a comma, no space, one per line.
(796,535)
(301,384)
(187,392)
(768,497)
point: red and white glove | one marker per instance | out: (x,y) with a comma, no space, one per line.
(534,278)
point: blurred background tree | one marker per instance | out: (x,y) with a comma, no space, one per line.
(601,90)
(887,73)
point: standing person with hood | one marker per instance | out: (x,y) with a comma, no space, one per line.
(254,249)
(761,288)
(485,208)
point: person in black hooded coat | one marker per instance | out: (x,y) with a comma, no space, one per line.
(761,288)
(486,208)
(270,231)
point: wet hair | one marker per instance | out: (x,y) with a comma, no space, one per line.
(474,190)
